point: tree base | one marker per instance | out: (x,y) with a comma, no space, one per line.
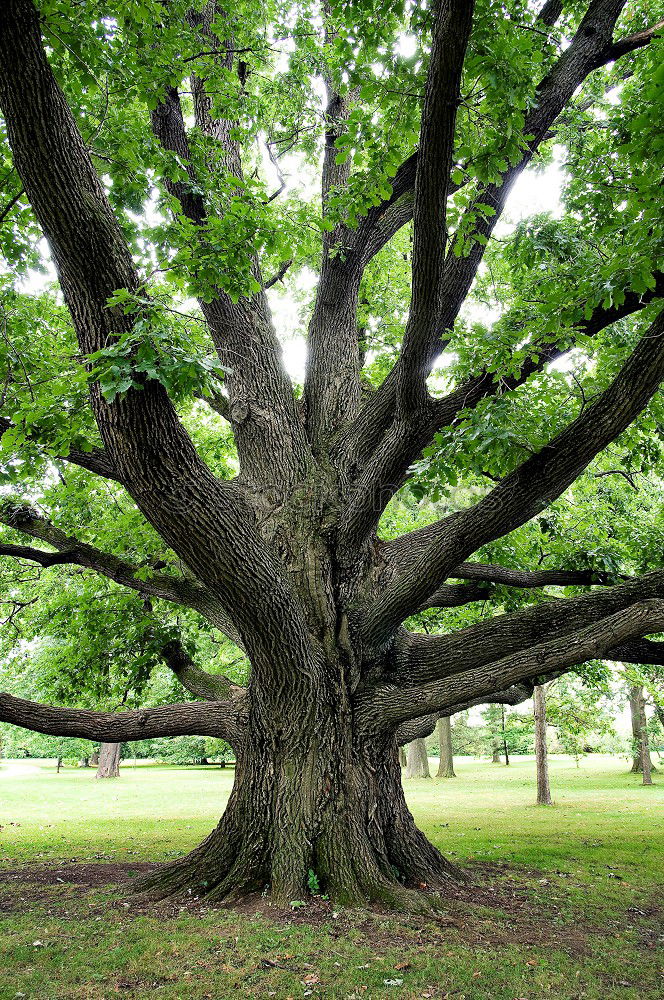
(358,856)
(181,881)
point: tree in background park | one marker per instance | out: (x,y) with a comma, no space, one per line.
(582,711)
(417,760)
(506,733)
(502,376)
(541,750)
(445,750)
(640,741)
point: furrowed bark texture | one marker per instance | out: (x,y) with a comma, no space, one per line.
(285,559)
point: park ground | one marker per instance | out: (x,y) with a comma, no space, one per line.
(563,903)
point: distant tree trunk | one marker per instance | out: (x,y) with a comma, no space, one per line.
(84,762)
(109,761)
(646,765)
(402,757)
(495,759)
(94,759)
(417,761)
(637,712)
(543,790)
(502,717)
(58,765)
(446,764)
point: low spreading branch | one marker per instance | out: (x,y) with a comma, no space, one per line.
(422,658)
(454,595)
(219,719)
(415,729)
(594,642)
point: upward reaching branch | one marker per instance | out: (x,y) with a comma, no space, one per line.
(531,486)
(261,404)
(376,422)
(451,31)
(149,447)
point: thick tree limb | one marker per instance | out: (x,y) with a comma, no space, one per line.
(383,221)
(593,642)
(531,486)
(636,41)
(207,522)
(200,683)
(332,378)
(380,420)
(451,31)
(242,332)
(332,387)
(218,718)
(421,658)
(492,573)
(639,651)
(455,595)
(423,726)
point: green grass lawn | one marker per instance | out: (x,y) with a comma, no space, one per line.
(564,903)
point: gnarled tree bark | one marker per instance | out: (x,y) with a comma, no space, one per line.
(285,559)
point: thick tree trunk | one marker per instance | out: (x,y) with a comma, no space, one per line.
(328,802)
(109,761)
(495,758)
(541,757)
(446,761)
(417,760)
(637,709)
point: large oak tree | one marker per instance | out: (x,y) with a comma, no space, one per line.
(139,139)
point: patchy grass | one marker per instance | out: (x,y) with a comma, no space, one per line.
(565,902)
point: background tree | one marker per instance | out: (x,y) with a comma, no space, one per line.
(109,760)
(282,549)
(446,754)
(582,711)
(637,716)
(417,760)
(506,733)
(541,752)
